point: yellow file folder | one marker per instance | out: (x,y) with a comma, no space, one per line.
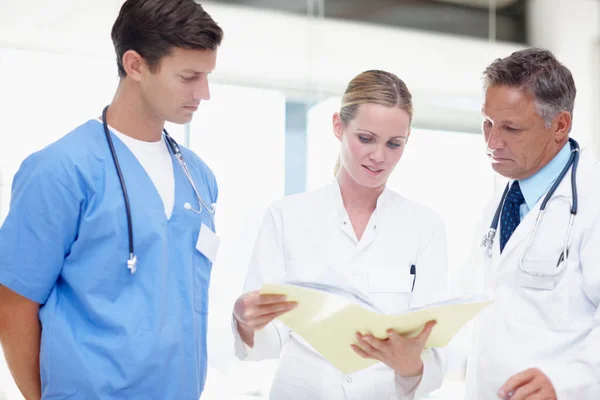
(328,319)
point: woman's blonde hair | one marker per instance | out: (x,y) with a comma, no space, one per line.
(373,87)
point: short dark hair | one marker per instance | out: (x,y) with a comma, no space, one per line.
(153,27)
(538,72)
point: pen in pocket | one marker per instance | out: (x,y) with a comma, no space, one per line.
(413,272)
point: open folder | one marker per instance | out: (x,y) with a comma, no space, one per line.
(328,318)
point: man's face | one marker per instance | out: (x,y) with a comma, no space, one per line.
(175,89)
(518,142)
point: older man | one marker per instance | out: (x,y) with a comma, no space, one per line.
(540,338)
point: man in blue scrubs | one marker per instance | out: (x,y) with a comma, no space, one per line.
(76,320)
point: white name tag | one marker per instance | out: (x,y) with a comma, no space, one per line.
(208,243)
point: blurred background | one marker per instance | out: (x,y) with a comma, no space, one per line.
(266,132)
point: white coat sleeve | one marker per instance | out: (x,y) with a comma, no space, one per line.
(431,285)
(580,378)
(267,266)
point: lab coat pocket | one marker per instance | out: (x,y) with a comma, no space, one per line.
(299,375)
(542,263)
(304,270)
(390,280)
(206,247)
(201,280)
(390,288)
(382,384)
(283,391)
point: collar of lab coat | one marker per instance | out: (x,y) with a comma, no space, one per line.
(336,195)
(342,215)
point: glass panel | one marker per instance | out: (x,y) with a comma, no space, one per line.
(240,134)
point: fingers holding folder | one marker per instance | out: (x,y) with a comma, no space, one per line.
(328,319)
(402,354)
(253,311)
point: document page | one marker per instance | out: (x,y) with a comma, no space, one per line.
(328,317)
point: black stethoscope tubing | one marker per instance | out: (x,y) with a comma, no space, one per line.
(573,162)
(174,149)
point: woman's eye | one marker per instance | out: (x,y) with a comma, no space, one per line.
(364,139)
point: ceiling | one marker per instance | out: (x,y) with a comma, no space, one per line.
(459,17)
(483,3)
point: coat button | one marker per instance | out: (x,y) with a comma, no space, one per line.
(349,380)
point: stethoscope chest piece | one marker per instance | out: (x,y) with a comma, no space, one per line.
(132,263)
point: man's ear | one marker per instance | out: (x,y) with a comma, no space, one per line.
(562,125)
(134,64)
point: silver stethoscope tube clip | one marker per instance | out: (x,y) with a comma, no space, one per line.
(132,263)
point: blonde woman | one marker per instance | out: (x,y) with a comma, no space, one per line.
(352,233)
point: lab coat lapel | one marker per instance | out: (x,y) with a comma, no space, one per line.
(481,255)
(522,232)
(485,276)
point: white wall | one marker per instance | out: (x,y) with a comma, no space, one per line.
(571,30)
(242,140)
(42,99)
(297,53)
(285,51)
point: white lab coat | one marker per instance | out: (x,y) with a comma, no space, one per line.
(556,330)
(309,237)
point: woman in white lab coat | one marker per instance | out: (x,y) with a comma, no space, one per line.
(352,233)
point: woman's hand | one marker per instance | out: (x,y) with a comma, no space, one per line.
(253,311)
(401,354)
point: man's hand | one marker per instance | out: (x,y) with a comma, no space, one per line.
(401,354)
(531,384)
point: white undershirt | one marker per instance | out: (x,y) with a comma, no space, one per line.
(156,160)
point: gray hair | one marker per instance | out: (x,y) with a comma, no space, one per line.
(538,72)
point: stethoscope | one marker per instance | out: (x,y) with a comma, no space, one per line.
(132,261)
(488,239)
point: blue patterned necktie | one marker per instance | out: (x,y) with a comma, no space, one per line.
(510,213)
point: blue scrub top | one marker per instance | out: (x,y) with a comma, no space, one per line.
(108,334)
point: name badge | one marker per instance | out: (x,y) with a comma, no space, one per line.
(208,243)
